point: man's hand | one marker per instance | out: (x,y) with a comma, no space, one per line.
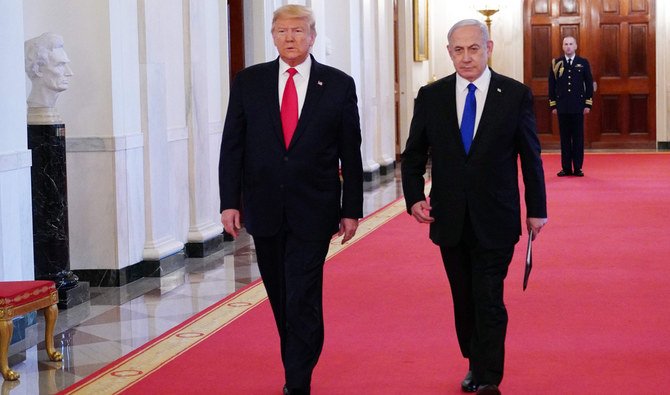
(348,228)
(230,218)
(421,212)
(586,110)
(535,224)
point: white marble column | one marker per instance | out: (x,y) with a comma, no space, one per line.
(365,51)
(157,22)
(258,45)
(346,49)
(319,9)
(412,75)
(219,74)
(337,42)
(386,138)
(369,84)
(201,226)
(16,231)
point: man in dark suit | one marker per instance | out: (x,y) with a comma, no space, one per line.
(474,125)
(292,125)
(571,96)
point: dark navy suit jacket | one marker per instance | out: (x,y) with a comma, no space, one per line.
(570,87)
(300,185)
(485,181)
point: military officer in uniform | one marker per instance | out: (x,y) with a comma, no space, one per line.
(571,97)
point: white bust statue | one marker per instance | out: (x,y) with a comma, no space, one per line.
(47,66)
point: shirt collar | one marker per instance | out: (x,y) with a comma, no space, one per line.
(482,83)
(303,68)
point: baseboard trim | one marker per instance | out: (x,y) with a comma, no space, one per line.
(205,248)
(128,274)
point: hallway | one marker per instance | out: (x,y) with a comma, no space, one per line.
(118,320)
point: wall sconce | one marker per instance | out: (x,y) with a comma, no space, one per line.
(488,9)
(488,12)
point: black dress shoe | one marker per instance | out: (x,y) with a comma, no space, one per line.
(468,384)
(564,173)
(490,389)
(579,173)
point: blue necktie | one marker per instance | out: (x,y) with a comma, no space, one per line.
(468,120)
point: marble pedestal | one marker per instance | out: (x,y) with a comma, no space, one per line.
(50,212)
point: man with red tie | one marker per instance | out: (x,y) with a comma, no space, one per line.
(291,124)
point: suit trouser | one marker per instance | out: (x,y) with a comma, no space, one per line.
(292,272)
(476,277)
(571,129)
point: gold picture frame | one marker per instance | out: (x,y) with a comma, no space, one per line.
(420,30)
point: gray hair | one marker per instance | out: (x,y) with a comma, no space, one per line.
(469,22)
(297,11)
(37,51)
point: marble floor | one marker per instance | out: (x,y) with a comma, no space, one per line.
(118,320)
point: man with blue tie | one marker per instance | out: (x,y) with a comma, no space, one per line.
(474,126)
(292,125)
(571,97)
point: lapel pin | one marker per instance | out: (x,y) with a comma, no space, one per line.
(320,83)
(499,90)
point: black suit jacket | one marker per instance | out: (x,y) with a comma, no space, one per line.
(301,184)
(484,182)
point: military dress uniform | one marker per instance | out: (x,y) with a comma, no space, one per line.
(570,91)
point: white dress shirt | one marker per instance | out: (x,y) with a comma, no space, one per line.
(482,84)
(301,78)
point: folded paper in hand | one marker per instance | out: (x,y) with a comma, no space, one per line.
(529,259)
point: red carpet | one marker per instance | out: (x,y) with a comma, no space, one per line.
(595,318)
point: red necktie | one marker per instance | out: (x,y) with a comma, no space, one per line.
(289,108)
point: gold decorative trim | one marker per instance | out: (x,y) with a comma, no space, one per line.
(26,295)
(10,312)
(557,67)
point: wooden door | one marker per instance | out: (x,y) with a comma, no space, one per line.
(236,36)
(618,39)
